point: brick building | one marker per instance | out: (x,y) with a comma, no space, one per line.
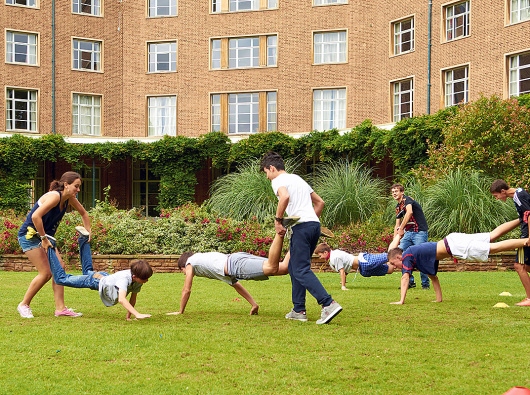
(142,69)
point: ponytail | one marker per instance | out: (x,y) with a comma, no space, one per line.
(68,177)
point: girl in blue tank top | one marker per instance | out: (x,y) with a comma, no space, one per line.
(34,238)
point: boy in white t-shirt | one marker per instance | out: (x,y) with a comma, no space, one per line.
(112,288)
(297,198)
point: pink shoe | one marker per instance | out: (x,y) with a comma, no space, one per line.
(67,313)
(24,311)
(524,302)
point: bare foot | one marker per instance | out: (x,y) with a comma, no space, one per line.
(254,310)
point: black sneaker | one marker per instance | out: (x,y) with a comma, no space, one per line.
(289,221)
(412,285)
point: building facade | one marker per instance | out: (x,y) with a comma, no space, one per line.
(99,70)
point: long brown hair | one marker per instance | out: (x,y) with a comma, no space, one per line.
(68,177)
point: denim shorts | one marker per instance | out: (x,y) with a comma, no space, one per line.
(34,242)
(30,244)
(244,266)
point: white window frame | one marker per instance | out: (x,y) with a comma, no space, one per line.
(236,110)
(236,6)
(451,21)
(398,92)
(155,49)
(216,54)
(161,117)
(237,52)
(96,7)
(153,9)
(272,111)
(398,33)
(318,3)
(519,11)
(337,49)
(215,113)
(79,110)
(96,54)
(450,83)
(32,109)
(13,46)
(32,3)
(514,73)
(335,116)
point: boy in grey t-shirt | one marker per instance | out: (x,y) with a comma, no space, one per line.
(112,288)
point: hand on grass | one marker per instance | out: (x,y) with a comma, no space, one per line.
(400,302)
(174,313)
(142,316)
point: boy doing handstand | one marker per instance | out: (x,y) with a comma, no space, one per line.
(232,268)
(112,288)
(368,264)
(425,257)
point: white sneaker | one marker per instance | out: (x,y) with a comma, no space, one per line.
(329,312)
(293,315)
(82,231)
(25,311)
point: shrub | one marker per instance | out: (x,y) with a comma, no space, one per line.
(350,192)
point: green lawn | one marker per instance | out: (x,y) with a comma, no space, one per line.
(460,346)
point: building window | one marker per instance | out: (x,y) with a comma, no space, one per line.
(519,10)
(90,187)
(457,21)
(244,52)
(519,74)
(329,109)
(162,8)
(87,55)
(242,5)
(216,113)
(327,2)
(21,110)
(145,188)
(243,113)
(26,3)
(86,115)
(403,99)
(404,36)
(162,116)
(330,47)
(456,86)
(236,113)
(271,111)
(21,48)
(162,57)
(87,7)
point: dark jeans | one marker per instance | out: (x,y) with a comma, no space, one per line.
(415,238)
(86,280)
(303,242)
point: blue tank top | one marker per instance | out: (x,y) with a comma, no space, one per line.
(50,220)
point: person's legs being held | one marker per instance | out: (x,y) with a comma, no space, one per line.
(502,229)
(271,265)
(85,255)
(64,279)
(419,238)
(406,242)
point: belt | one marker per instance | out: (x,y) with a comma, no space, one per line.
(446,243)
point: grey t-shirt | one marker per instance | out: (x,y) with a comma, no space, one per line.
(110,285)
(210,265)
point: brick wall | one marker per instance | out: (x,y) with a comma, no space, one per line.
(168,263)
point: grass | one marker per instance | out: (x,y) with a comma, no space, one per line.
(460,346)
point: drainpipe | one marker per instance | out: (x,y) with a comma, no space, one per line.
(53,66)
(429,61)
(93,182)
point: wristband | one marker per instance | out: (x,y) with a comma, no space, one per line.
(43,237)
(278,219)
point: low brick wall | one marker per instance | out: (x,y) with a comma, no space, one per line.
(168,263)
